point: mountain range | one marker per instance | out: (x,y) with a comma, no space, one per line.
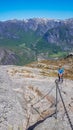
(22,41)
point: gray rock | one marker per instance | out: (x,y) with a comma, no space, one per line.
(22,101)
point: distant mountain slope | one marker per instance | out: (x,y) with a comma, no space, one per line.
(28,31)
(31,37)
(58,38)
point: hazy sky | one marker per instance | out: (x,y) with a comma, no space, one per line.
(22,9)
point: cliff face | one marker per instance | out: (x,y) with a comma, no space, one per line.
(8,57)
(61,35)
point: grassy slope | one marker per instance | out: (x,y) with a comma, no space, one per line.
(21,46)
(25,41)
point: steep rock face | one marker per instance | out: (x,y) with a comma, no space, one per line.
(61,37)
(62,34)
(40,25)
(8,57)
(58,31)
(10,29)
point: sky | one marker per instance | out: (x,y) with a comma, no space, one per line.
(25,9)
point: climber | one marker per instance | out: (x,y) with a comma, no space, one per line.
(60,73)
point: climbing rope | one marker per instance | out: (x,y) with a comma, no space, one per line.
(44,96)
(32,105)
(49,91)
(64,105)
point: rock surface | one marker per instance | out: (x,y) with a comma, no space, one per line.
(28,99)
(8,57)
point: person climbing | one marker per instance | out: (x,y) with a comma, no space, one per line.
(60,73)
